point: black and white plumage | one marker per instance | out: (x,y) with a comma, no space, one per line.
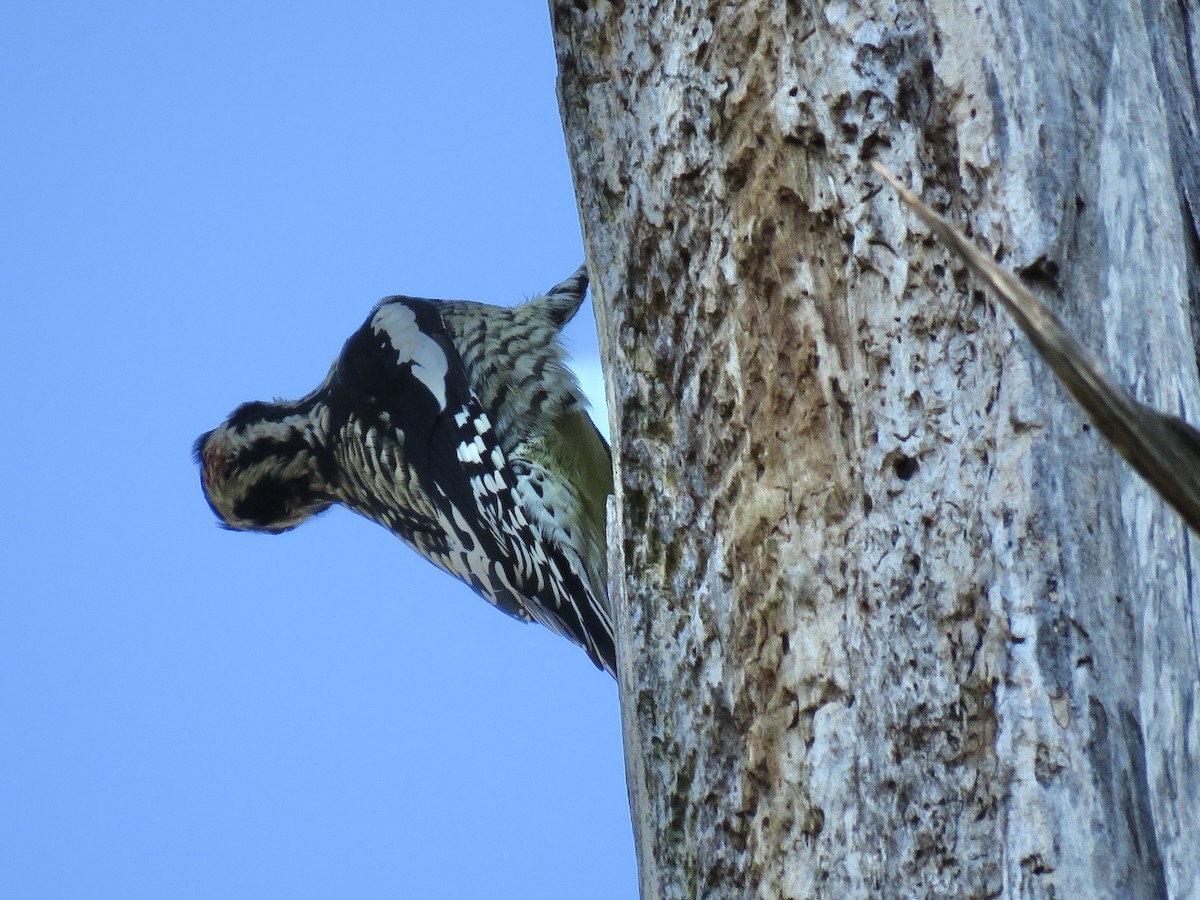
(456,426)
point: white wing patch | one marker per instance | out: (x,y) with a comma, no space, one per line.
(428,360)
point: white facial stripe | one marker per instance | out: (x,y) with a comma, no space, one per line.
(229,439)
(429,363)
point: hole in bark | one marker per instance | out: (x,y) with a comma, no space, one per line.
(736,177)
(905,467)
(1042,271)
(816,822)
(870,142)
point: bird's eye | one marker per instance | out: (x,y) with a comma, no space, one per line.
(271,504)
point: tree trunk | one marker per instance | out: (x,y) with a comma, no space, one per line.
(894,619)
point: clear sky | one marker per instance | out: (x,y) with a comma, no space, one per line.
(200,202)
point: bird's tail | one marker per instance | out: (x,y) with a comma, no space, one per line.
(563,300)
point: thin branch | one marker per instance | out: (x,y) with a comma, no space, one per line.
(1164,449)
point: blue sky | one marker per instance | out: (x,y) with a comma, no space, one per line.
(200,203)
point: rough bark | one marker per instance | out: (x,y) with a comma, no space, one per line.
(894,619)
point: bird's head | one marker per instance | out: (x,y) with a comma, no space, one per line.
(260,468)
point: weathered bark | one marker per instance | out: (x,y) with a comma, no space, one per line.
(894,618)
(1163,448)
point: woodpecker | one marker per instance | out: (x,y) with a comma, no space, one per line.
(458,427)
